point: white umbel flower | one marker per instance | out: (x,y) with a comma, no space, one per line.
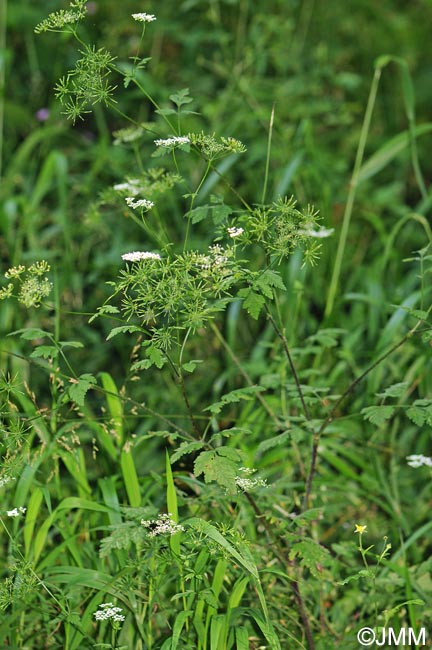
(139,203)
(132,186)
(235,232)
(144,18)
(418,460)
(106,611)
(318,234)
(163,525)
(136,256)
(6,479)
(172,142)
(16,512)
(246,484)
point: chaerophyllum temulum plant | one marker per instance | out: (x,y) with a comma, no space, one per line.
(173,293)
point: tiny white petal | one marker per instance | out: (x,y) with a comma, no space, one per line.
(235,232)
(418,460)
(144,18)
(136,256)
(319,234)
(139,203)
(172,142)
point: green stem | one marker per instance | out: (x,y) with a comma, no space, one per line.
(194,196)
(291,363)
(352,193)
(269,141)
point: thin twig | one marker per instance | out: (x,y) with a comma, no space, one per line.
(245,375)
(291,363)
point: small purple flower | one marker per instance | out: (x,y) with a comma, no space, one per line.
(42,114)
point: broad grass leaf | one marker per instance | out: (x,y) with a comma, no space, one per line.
(389,151)
(130,478)
(115,404)
(328,337)
(172,506)
(237,592)
(242,638)
(204,527)
(33,508)
(267,629)
(78,576)
(179,624)
(217,628)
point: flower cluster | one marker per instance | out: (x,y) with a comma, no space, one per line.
(6,479)
(144,18)
(235,232)
(59,19)
(139,203)
(418,460)
(174,141)
(128,134)
(108,611)
(33,284)
(318,234)
(132,186)
(212,149)
(246,484)
(163,525)
(153,182)
(216,257)
(136,256)
(16,512)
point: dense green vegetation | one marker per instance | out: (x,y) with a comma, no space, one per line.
(206,444)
